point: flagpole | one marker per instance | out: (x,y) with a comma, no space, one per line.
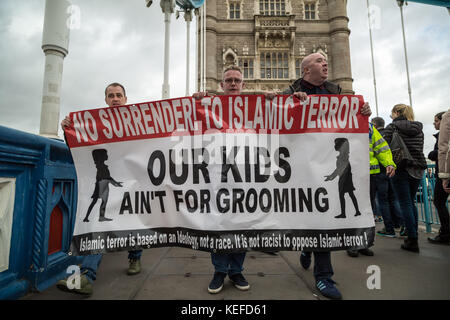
(400,4)
(373,63)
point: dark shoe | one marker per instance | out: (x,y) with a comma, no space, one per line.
(384,233)
(440,239)
(411,244)
(239,281)
(84,289)
(357,214)
(85,220)
(134,267)
(342,215)
(305,260)
(101,219)
(366,252)
(353,253)
(216,284)
(403,232)
(327,289)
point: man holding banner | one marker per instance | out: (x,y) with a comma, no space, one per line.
(227,174)
(115,95)
(314,68)
(228,263)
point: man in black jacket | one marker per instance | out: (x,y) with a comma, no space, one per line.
(314,69)
(440,196)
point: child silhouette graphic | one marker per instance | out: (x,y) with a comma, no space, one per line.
(344,171)
(103,179)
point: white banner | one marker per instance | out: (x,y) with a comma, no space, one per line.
(227,173)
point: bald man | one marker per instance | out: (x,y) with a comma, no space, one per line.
(314,68)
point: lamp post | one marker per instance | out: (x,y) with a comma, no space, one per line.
(55,44)
(373,63)
(188,19)
(167,7)
(400,4)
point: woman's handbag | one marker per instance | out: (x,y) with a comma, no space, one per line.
(399,149)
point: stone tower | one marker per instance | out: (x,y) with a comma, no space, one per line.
(269,38)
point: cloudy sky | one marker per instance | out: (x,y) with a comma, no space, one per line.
(123,41)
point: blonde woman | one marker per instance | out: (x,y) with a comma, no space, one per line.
(409,172)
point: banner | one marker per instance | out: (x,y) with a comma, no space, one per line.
(223,174)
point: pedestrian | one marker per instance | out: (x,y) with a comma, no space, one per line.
(394,209)
(230,264)
(382,168)
(115,95)
(409,172)
(314,69)
(440,195)
(380,176)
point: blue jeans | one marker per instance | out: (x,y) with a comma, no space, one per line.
(134,254)
(322,265)
(89,265)
(379,186)
(405,188)
(396,212)
(230,263)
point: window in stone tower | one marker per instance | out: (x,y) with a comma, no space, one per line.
(272,7)
(246,66)
(235,10)
(310,11)
(274,65)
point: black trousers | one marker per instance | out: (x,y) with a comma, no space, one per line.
(440,200)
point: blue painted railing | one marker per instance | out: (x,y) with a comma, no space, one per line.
(424,199)
(39,177)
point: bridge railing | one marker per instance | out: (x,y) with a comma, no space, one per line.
(424,199)
(38,193)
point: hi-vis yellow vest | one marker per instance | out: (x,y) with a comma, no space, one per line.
(379,151)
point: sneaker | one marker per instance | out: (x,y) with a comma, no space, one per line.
(134,267)
(353,253)
(85,286)
(327,289)
(440,239)
(305,260)
(384,233)
(216,284)
(403,232)
(239,281)
(366,252)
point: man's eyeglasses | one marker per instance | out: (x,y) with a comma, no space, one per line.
(230,80)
